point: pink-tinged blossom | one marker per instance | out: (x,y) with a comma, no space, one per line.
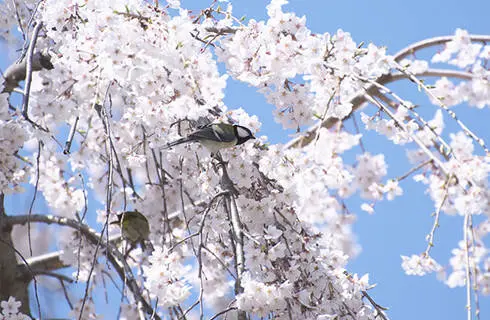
(12,138)
(415,66)
(137,75)
(419,265)
(10,307)
(368,174)
(466,52)
(392,189)
(165,277)
(445,92)
(478,258)
(9,310)
(389,127)
(367,207)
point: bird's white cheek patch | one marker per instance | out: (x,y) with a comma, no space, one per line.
(242,133)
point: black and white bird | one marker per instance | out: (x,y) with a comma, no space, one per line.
(216,136)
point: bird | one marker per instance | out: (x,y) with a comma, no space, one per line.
(216,136)
(134,228)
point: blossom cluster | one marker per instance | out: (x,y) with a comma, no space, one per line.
(462,52)
(12,138)
(130,77)
(457,180)
(275,55)
(166,278)
(10,310)
(420,265)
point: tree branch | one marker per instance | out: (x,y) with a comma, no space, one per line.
(359,98)
(28,77)
(113,255)
(9,284)
(436,41)
(235,230)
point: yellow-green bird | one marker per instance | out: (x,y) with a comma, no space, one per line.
(134,227)
(216,136)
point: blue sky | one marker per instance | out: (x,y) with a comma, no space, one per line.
(398,227)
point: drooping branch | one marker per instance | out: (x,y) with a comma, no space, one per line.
(450,112)
(446,151)
(417,140)
(431,42)
(359,98)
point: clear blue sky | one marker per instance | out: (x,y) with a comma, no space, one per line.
(397,227)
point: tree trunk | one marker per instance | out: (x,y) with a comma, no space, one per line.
(10,282)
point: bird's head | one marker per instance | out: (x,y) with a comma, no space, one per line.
(243,134)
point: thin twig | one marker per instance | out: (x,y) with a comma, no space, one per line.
(29,24)
(92,267)
(19,22)
(356,126)
(379,309)
(220,261)
(402,126)
(475,273)
(430,240)
(416,168)
(451,113)
(222,31)
(222,312)
(110,185)
(161,183)
(206,211)
(425,124)
(198,254)
(199,259)
(467,266)
(65,292)
(358,99)
(34,196)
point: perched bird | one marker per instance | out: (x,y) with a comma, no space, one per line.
(216,136)
(134,228)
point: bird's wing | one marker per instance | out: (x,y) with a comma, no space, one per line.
(212,132)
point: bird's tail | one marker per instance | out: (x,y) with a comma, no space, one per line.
(176,142)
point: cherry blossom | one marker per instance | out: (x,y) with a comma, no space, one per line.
(266,229)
